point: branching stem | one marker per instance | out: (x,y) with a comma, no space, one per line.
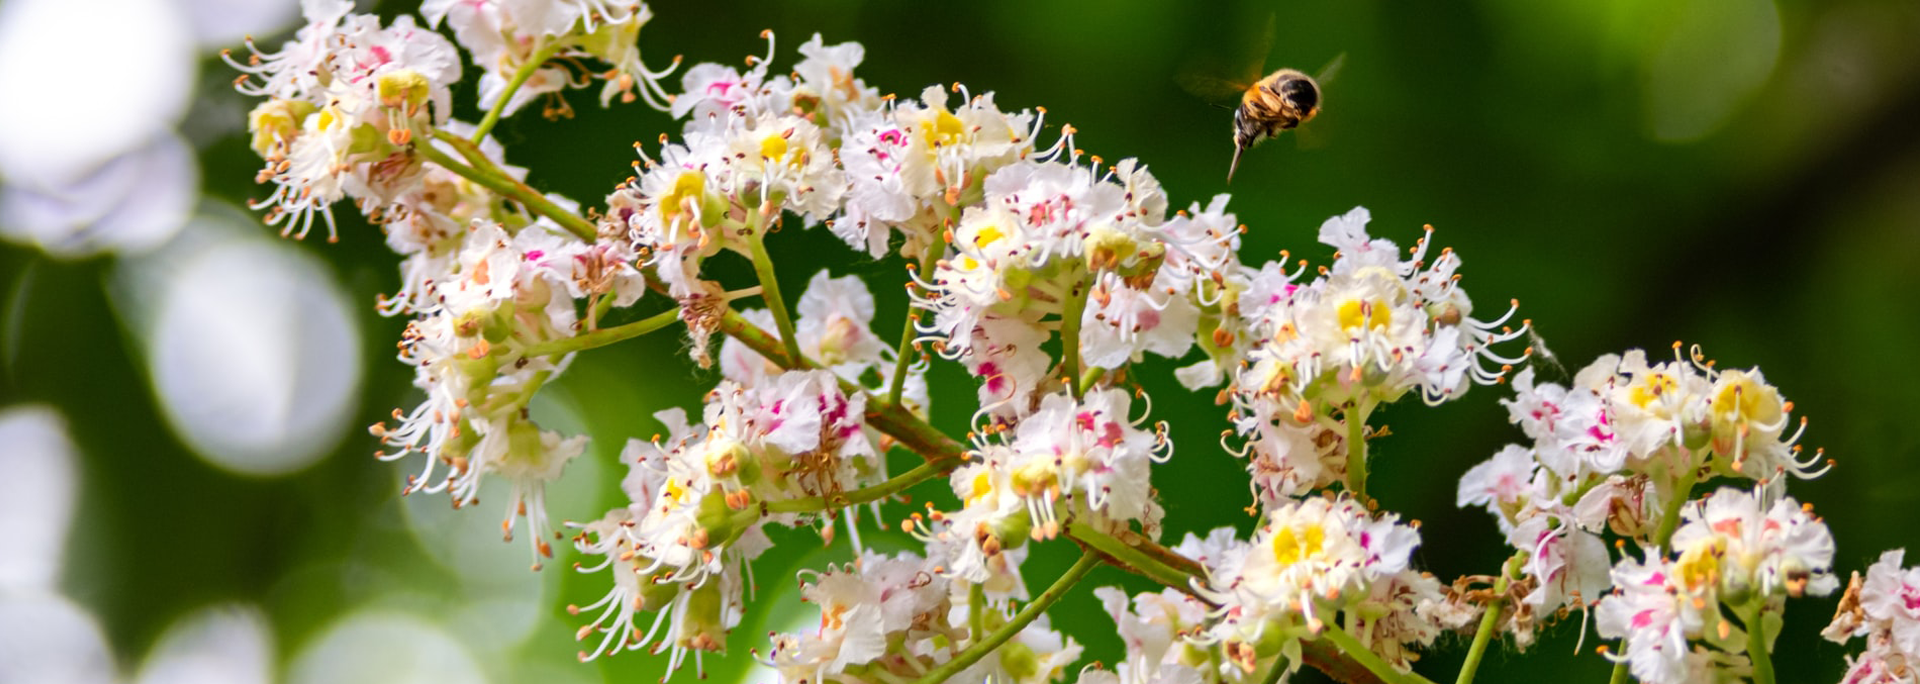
(895,485)
(534,62)
(980,649)
(903,357)
(605,336)
(757,225)
(513,190)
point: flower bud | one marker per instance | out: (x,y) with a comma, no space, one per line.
(276,121)
(703,623)
(1021,663)
(403,89)
(715,517)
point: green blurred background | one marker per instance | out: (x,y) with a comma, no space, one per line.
(1742,174)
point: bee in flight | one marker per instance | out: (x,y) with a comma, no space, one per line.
(1277,103)
(1269,106)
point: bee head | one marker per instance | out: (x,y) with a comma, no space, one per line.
(1304,95)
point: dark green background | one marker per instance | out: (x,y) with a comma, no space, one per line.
(1789,238)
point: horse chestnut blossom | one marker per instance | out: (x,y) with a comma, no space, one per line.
(1311,561)
(1735,550)
(1619,452)
(1369,330)
(1886,610)
(507,38)
(1052,278)
(343,101)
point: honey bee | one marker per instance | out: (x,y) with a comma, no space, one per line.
(1270,105)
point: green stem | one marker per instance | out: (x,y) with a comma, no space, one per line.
(1682,492)
(1360,653)
(1128,557)
(514,190)
(520,76)
(1087,379)
(769,284)
(605,336)
(1275,671)
(1070,315)
(1488,621)
(1620,675)
(1027,615)
(977,611)
(1757,642)
(903,357)
(1357,448)
(922,473)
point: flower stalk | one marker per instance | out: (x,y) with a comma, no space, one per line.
(546,51)
(1032,611)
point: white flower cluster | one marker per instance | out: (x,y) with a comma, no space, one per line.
(1885,610)
(1084,460)
(700,496)
(1619,452)
(1735,551)
(1312,560)
(349,104)
(343,101)
(885,617)
(1317,357)
(506,36)
(495,297)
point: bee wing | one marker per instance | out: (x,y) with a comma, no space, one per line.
(1253,63)
(1316,134)
(1218,75)
(1210,88)
(1313,135)
(1331,70)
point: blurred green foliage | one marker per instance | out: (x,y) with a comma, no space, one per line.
(1785,236)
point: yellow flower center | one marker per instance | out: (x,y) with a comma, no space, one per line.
(1699,566)
(1290,548)
(988,236)
(945,130)
(1655,385)
(982,487)
(774,147)
(689,186)
(1361,313)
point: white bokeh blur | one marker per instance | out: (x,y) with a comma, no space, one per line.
(253,349)
(383,647)
(215,645)
(36,496)
(47,639)
(89,160)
